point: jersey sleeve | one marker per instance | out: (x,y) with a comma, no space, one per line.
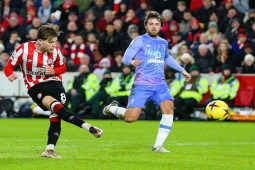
(171,62)
(132,50)
(59,65)
(13,61)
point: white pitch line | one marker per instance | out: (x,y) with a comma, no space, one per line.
(117,145)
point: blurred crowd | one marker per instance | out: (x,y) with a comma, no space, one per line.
(202,35)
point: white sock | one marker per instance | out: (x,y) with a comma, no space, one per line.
(50,147)
(38,110)
(118,111)
(86,126)
(165,127)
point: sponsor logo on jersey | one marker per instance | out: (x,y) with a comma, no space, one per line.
(40,71)
(157,54)
(156,61)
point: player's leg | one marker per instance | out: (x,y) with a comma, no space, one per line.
(53,135)
(56,107)
(165,125)
(164,100)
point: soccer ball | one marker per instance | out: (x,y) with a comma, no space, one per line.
(217,110)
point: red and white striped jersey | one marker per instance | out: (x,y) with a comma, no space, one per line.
(33,63)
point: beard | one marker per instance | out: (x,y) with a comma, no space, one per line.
(153,34)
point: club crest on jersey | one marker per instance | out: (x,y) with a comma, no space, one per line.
(50,61)
(157,54)
(39,96)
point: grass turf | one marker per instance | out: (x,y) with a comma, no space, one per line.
(193,145)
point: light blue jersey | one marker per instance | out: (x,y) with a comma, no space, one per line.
(153,52)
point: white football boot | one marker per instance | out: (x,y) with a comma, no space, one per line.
(106,110)
(159,149)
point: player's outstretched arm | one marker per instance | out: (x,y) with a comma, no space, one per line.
(186,75)
(8,71)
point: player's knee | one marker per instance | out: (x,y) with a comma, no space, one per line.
(130,119)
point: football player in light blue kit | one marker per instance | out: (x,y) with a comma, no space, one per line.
(148,53)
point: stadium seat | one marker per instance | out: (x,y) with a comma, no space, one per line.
(244,97)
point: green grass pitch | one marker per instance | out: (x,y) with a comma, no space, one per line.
(193,145)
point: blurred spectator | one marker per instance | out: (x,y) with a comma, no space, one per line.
(172,82)
(193,35)
(184,48)
(185,23)
(129,19)
(132,35)
(203,58)
(249,20)
(55,17)
(44,11)
(84,86)
(212,30)
(225,87)
(242,6)
(167,16)
(32,35)
(122,10)
(108,18)
(66,8)
(174,43)
(84,60)
(252,33)
(215,43)
(178,13)
(118,25)
(72,27)
(5,22)
(224,55)
(77,48)
(248,64)
(88,28)
(72,17)
(104,64)
(140,12)
(31,14)
(14,26)
(4,57)
(233,30)
(109,42)
(203,13)
(238,47)
(230,18)
(203,39)
(23,10)
(13,43)
(36,23)
(187,61)
(92,42)
(89,16)
(99,9)
(117,66)
(134,4)
(173,28)
(223,11)
(191,93)
(214,18)
(100,95)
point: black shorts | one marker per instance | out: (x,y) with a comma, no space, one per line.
(54,89)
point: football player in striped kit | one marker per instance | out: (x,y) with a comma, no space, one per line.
(42,64)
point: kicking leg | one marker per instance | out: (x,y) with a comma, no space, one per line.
(56,107)
(165,125)
(128,115)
